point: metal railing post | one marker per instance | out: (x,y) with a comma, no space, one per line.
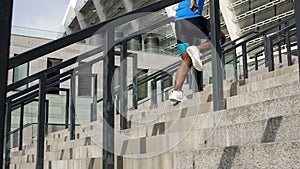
(190,79)
(279,53)
(235,72)
(266,49)
(47,116)
(153,92)
(270,54)
(134,82)
(94,104)
(21,127)
(72,107)
(41,122)
(123,87)
(162,89)
(217,66)
(7,134)
(297,18)
(288,46)
(123,95)
(256,61)
(197,82)
(245,60)
(67,109)
(5,20)
(108,104)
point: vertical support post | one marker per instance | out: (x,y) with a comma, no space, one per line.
(67,109)
(279,53)
(41,123)
(270,54)
(190,79)
(94,104)
(222,56)
(108,104)
(288,46)
(256,61)
(245,62)
(21,127)
(47,116)
(117,100)
(217,67)
(5,20)
(153,92)
(72,108)
(134,82)
(7,135)
(162,89)
(297,18)
(197,82)
(123,87)
(123,93)
(266,48)
(235,72)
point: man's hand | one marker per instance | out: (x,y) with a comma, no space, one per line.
(194,6)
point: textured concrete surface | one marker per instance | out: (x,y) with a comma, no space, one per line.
(263,95)
(259,129)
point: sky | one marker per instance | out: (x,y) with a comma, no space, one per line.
(39,14)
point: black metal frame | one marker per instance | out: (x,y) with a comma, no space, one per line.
(5,20)
(266,44)
(53,80)
(40,90)
(218,67)
(297,10)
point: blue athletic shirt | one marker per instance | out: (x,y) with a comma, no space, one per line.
(184,11)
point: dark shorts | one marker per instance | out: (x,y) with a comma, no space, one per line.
(192,30)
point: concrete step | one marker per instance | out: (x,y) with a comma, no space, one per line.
(262,68)
(282,128)
(57,152)
(256,117)
(263,155)
(205,96)
(267,83)
(232,102)
(189,114)
(283,154)
(283,67)
(86,163)
(90,163)
(166,118)
(23,166)
(283,90)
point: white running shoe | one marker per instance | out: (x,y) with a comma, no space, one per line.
(194,54)
(177,96)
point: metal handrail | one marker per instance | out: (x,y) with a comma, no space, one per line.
(261,44)
(85,33)
(70,39)
(75,60)
(263,32)
(156,75)
(45,83)
(62,65)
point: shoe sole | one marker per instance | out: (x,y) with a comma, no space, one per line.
(175,100)
(197,63)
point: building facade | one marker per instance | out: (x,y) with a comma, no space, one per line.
(238,17)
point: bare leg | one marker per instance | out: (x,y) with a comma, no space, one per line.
(182,71)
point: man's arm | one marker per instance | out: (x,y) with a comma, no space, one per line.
(194,6)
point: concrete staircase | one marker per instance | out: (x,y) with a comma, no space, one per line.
(258,129)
